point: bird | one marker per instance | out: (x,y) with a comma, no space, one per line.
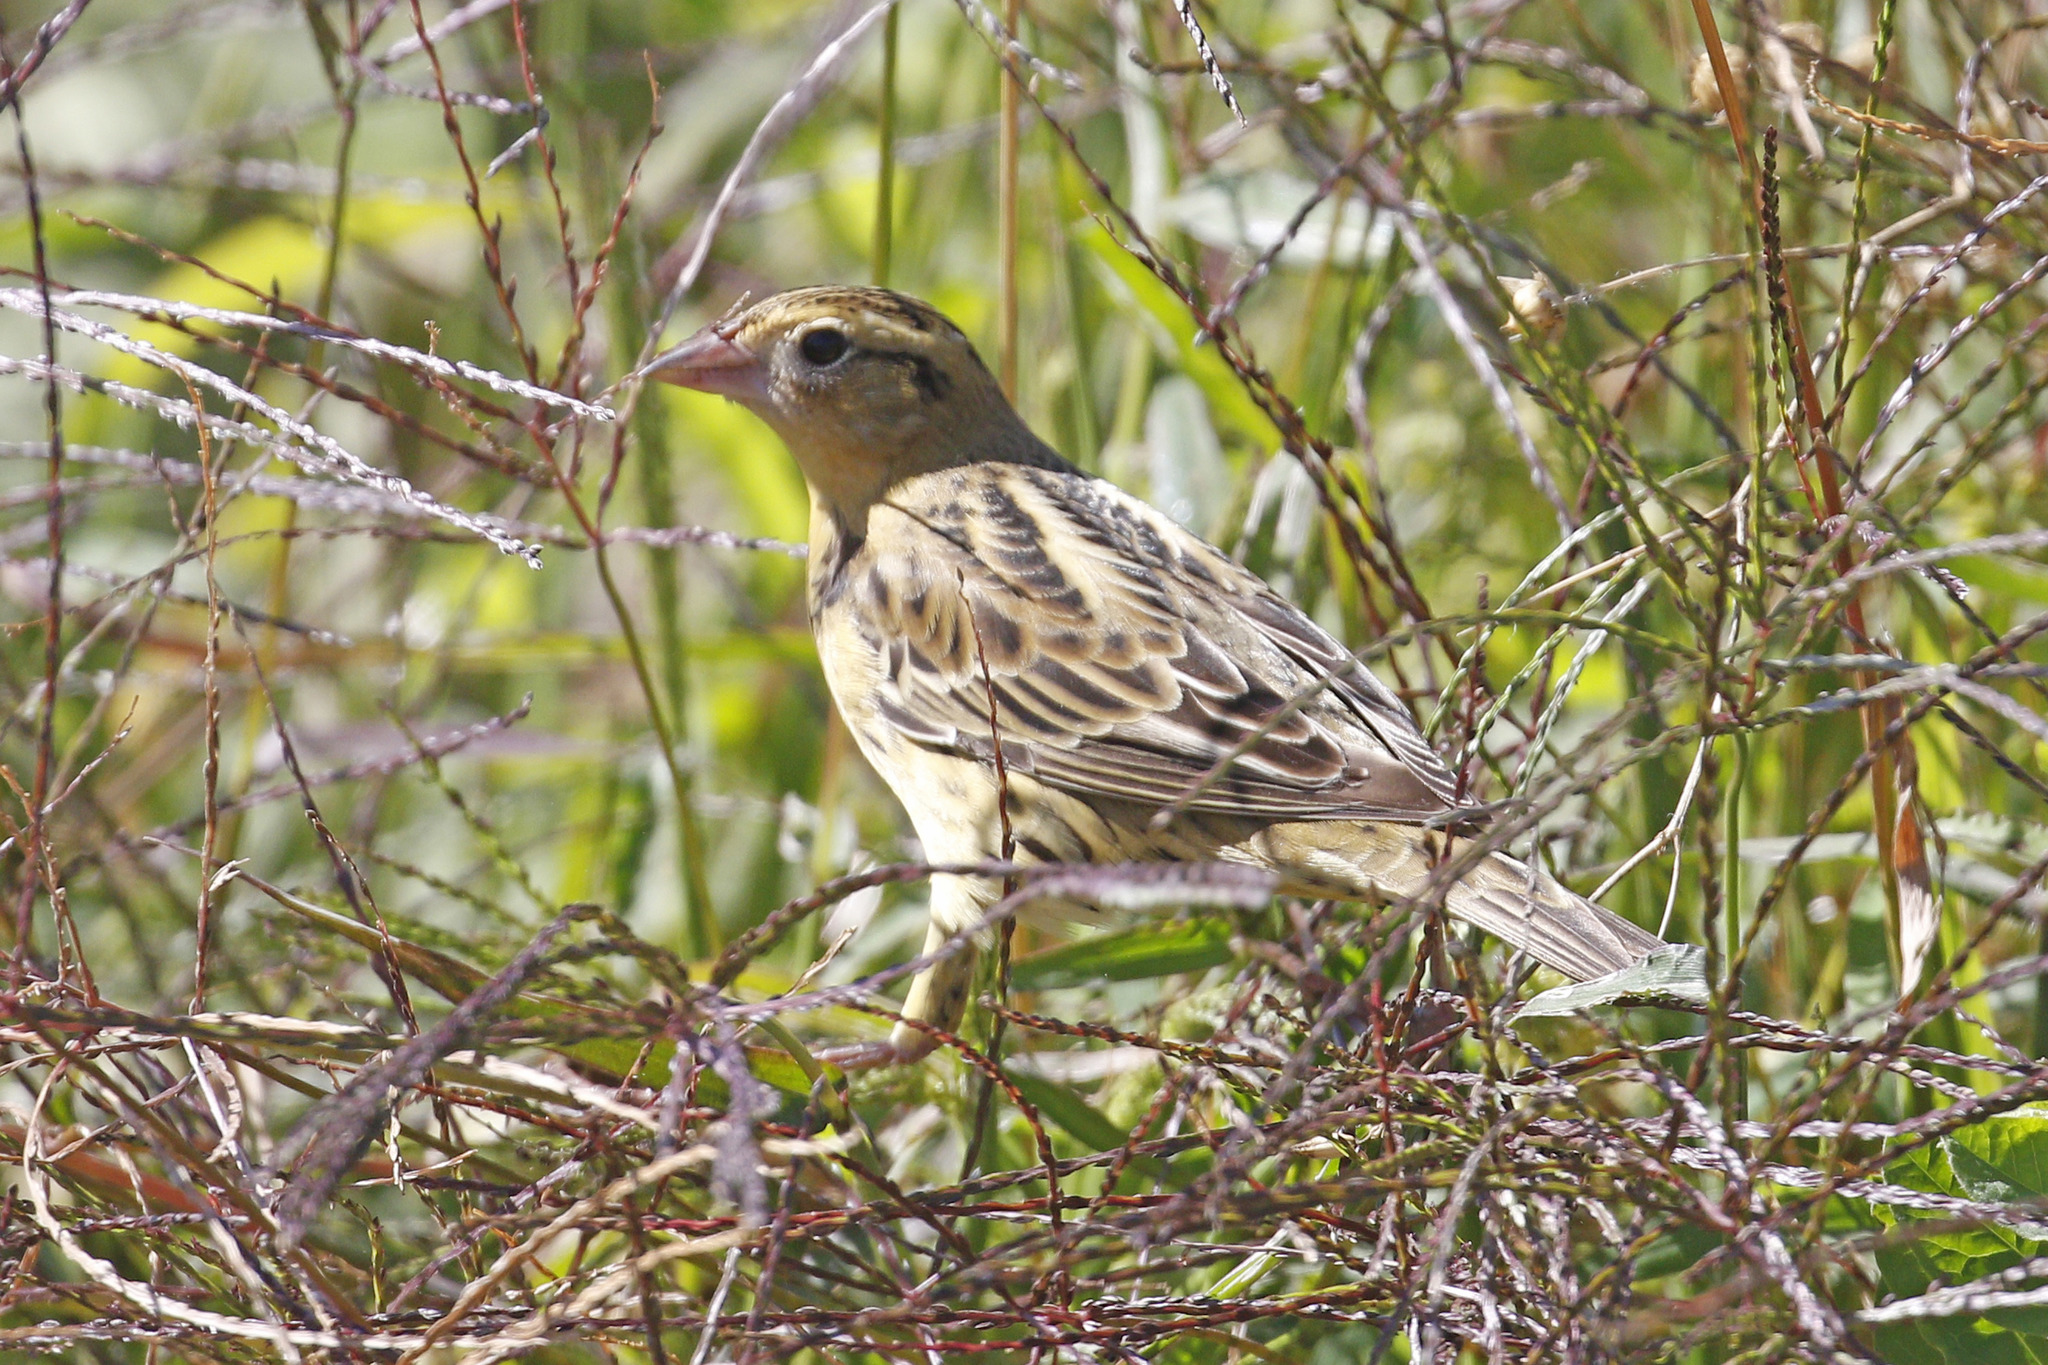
(977,597)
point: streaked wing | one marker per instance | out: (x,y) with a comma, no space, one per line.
(1124,656)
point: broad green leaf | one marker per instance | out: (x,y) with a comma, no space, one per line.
(1079,1118)
(1172,325)
(2005,1157)
(775,1067)
(1993,1161)
(1143,951)
(1957,1255)
(1968,1341)
(1681,1249)
(2000,1160)
(1677,971)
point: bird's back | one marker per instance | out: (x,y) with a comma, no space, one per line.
(1124,658)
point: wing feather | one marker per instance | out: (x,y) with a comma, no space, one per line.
(1125,656)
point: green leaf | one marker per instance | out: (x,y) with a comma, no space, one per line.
(1136,954)
(1677,971)
(1684,1247)
(1173,328)
(1907,1272)
(1997,1160)
(448,978)
(2002,1158)
(1353,1342)
(1970,1341)
(1070,1112)
(1955,1255)
(775,1067)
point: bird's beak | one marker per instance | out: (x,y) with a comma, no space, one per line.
(710,361)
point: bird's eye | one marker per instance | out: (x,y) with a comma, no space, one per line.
(823,345)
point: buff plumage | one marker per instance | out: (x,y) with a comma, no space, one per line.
(958,560)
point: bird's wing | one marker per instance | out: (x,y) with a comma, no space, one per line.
(1123,656)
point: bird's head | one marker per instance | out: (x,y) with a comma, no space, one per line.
(866,386)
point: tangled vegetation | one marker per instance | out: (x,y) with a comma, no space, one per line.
(432,871)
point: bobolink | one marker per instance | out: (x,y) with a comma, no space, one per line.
(956,560)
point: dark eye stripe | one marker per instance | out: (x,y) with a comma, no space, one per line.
(930,382)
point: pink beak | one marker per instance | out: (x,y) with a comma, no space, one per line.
(710,361)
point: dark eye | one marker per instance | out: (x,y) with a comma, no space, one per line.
(823,345)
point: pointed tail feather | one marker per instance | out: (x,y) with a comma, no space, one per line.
(1527,908)
(1524,907)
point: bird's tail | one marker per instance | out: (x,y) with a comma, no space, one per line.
(1527,908)
(1524,907)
